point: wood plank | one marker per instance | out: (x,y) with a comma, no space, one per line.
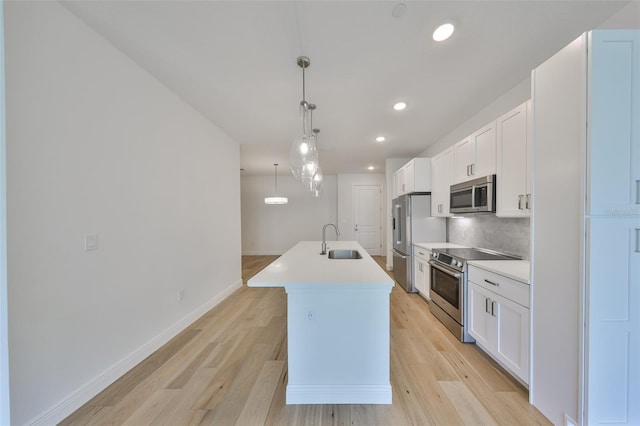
(468,407)
(257,406)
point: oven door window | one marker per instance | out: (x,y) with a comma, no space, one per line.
(461,199)
(446,286)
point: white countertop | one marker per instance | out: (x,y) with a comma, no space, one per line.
(303,264)
(430,246)
(514,269)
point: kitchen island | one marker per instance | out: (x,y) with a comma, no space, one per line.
(337,324)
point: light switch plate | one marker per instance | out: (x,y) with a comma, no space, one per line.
(90,242)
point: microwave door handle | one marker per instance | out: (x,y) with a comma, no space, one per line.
(473,197)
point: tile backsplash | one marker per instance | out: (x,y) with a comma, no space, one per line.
(490,232)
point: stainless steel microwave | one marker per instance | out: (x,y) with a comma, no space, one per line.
(474,196)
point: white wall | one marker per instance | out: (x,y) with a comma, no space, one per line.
(4,333)
(345,202)
(504,103)
(97,145)
(274,229)
(627,18)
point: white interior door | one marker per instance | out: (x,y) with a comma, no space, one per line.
(367,211)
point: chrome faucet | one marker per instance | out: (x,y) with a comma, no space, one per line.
(324,238)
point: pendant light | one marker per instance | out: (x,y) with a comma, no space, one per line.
(303,155)
(276,199)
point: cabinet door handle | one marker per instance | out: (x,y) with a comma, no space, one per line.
(420,267)
(638,192)
(637,240)
(520,197)
(527,204)
(492,283)
(467,170)
(472,167)
(493,308)
(486,305)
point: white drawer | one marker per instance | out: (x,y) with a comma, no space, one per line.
(499,284)
(422,253)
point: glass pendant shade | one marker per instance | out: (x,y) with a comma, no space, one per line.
(303,150)
(316,183)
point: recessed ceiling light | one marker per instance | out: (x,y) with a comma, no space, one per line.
(443,32)
(370,168)
(380,139)
(399,106)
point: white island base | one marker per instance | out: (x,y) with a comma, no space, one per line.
(337,325)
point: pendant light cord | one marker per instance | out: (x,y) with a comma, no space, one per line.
(276,177)
(304,99)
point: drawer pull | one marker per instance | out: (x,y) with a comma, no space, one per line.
(492,283)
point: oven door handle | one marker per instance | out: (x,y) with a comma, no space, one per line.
(445,270)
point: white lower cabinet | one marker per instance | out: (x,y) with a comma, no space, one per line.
(422,270)
(499,319)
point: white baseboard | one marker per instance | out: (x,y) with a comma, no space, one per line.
(81,396)
(339,394)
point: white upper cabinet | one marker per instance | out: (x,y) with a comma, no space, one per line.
(415,176)
(613,145)
(475,156)
(513,168)
(441,181)
(464,154)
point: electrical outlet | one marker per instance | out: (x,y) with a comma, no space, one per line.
(310,316)
(90,242)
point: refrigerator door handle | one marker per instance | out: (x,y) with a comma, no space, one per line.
(399,226)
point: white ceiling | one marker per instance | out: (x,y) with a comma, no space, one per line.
(235,62)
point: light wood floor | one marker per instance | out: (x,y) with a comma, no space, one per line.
(230,368)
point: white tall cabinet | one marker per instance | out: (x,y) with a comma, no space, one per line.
(586,231)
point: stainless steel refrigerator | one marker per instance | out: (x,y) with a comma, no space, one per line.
(412,223)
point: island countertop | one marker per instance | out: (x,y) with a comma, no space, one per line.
(303,264)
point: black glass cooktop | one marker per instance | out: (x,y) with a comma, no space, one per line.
(474,254)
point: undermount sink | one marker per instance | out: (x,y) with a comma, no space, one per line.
(344,254)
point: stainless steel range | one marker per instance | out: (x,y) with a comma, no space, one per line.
(449,285)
